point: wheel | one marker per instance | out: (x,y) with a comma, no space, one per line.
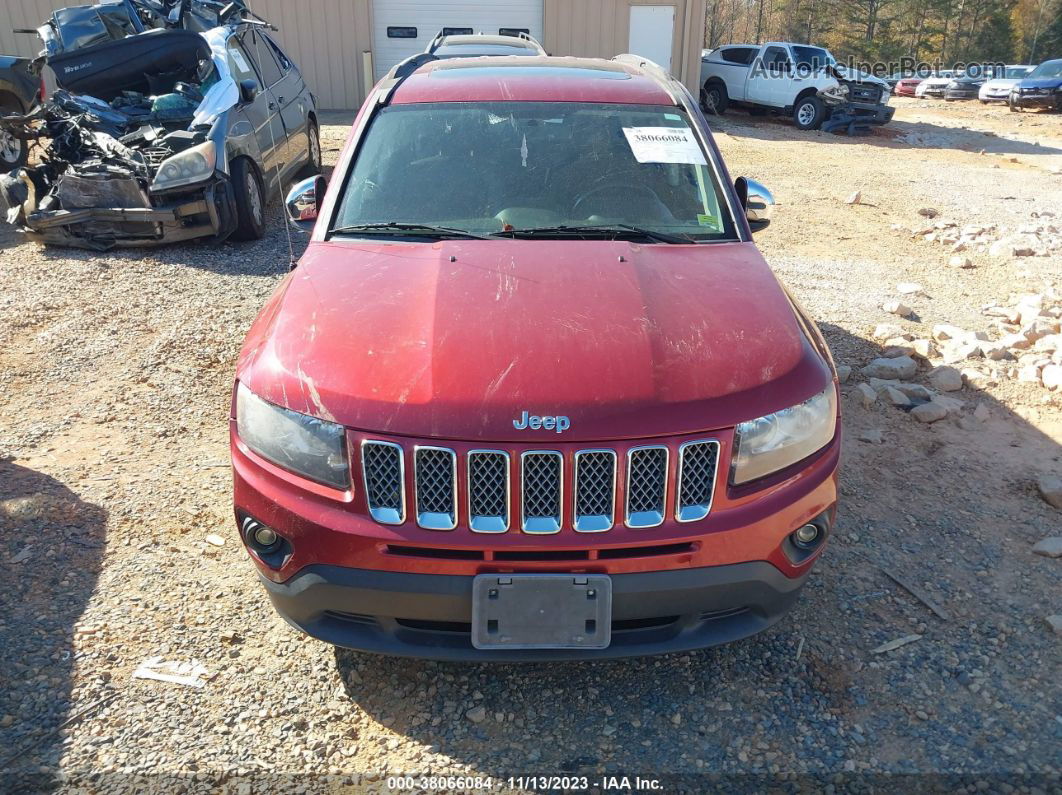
(313,150)
(809,113)
(1013,108)
(250,200)
(984,101)
(13,150)
(714,98)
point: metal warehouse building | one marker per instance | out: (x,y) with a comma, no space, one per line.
(344,46)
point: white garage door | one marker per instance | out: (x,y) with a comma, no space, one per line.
(404,27)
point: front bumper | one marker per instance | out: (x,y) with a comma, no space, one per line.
(206,212)
(961,93)
(429,615)
(866,113)
(1053,100)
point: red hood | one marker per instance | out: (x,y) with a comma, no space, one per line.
(457,339)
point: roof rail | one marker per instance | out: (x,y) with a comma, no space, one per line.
(400,72)
(653,70)
(530,38)
(436,41)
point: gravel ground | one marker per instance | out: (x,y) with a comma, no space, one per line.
(115,377)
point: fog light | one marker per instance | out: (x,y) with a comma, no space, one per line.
(806,535)
(266,537)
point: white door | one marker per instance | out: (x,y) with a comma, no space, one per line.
(652,32)
(401,28)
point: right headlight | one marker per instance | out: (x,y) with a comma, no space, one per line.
(193,165)
(305,445)
(770,443)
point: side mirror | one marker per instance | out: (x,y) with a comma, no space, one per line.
(248,91)
(303,202)
(757,201)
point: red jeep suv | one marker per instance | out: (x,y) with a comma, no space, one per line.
(532,393)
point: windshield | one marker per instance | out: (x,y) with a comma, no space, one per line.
(1048,69)
(812,57)
(497,167)
(1016,73)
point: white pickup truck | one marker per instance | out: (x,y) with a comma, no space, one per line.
(793,79)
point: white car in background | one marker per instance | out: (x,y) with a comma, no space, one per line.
(935,85)
(998,88)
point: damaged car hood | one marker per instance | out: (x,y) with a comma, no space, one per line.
(432,340)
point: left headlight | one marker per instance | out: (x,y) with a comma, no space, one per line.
(193,165)
(770,443)
(306,445)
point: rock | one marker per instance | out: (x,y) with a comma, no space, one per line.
(924,348)
(996,351)
(1055,622)
(982,412)
(916,391)
(843,373)
(908,288)
(978,378)
(7,721)
(945,379)
(884,331)
(477,714)
(1038,328)
(942,332)
(960,262)
(1050,488)
(929,412)
(1050,547)
(1051,376)
(1048,344)
(896,397)
(1029,374)
(215,540)
(897,308)
(897,346)
(872,436)
(902,367)
(866,395)
(957,351)
(950,405)
(929,212)
(1017,342)
(854,198)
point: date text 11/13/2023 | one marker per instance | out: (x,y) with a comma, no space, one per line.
(533,782)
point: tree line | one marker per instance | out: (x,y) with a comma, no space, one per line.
(944,31)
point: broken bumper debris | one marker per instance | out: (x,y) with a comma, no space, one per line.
(136,158)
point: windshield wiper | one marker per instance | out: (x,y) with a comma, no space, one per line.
(610,231)
(409,229)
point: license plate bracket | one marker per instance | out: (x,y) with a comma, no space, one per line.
(541,611)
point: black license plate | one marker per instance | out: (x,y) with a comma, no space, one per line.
(541,611)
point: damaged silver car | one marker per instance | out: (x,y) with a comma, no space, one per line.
(174,120)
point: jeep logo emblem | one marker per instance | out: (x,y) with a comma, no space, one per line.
(559,423)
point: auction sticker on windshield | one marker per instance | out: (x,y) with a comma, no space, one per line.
(664,145)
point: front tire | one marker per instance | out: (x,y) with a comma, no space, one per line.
(313,150)
(809,113)
(13,151)
(250,200)
(714,98)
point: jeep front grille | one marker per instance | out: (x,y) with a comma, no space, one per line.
(488,491)
(435,481)
(696,477)
(384,475)
(483,488)
(595,490)
(542,476)
(646,486)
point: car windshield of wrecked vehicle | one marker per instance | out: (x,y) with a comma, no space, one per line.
(535,169)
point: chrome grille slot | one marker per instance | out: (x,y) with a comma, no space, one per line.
(384,473)
(698,462)
(488,491)
(435,487)
(646,486)
(542,474)
(595,491)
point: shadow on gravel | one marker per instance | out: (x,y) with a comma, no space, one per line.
(933,540)
(51,546)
